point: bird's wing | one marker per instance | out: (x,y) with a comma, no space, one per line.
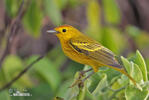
(94,50)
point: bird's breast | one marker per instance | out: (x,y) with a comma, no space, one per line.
(74,55)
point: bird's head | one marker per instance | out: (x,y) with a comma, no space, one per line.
(65,32)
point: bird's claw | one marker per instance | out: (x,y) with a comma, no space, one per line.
(81,74)
(79,81)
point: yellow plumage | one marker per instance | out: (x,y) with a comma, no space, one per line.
(85,50)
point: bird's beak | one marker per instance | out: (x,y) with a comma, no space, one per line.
(52,31)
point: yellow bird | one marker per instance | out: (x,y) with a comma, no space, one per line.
(85,50)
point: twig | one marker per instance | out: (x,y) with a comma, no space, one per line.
(13,30)
(20,74)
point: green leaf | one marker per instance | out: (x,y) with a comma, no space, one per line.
(109,39)
(90,96)
(71,93)
(73,3)
(133,31)
(62,3)
(121,82)
(48,71)
(64,91)
(93,82)
(132,93)
(147,63)
(136,73)
(111,73)
(100,88)
(3,79)
(12,66)
(102,84)
(12,7)
(111,10)
(74,92)
(32,19)
(93,14)
(126,64)
(53,11)
(139,60)
(133,70)
(57,56)
(93,18)
(39,92)
(142,40)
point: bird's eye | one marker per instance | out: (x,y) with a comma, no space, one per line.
(64,30)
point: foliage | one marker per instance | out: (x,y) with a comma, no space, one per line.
(99,87)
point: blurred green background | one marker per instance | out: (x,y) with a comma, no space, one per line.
(120,25)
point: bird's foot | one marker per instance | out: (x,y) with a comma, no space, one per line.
(80,80)
(77,82)
(84,71)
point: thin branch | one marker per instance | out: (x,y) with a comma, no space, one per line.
(13,30)
(20,74)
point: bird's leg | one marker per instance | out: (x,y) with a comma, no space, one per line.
(88,76)
(79,80)
(85,71)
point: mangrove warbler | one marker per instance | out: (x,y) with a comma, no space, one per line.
(85,50)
